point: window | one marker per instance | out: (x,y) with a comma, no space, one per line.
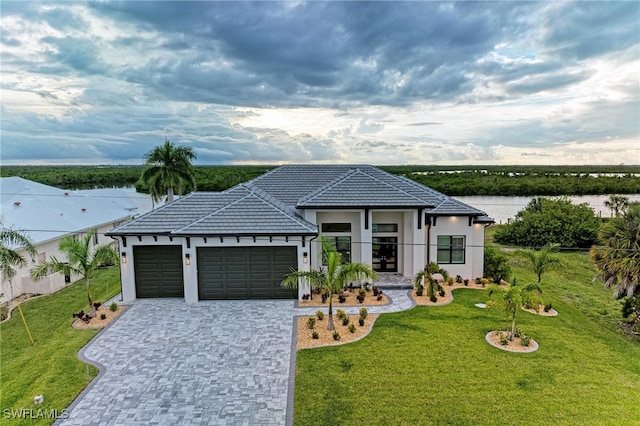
(451,249)
(385,227)
(336,227)
(342,246)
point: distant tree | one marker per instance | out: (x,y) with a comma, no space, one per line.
(546,221)
(168,167)
(496,264)
(540,261)
(617,258)
(83,258)
(332,279)
(617,204)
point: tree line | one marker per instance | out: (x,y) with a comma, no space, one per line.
(451,180)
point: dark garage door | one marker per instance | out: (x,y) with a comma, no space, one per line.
(158,271)
(244,272)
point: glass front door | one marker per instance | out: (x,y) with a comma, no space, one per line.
(385,254)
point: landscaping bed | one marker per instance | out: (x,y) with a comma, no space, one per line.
(325,337)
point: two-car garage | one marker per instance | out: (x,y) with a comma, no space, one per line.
(242,272)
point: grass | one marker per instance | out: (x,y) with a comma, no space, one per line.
(51,367)
(431,365)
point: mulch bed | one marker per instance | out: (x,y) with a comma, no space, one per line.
(369,300)
(325,337)
(98,322)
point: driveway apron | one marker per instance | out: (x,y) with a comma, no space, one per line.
(167,362)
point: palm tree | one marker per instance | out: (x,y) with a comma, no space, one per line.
(332,279)
(12,240)
(618,257)
(511,299)
(10,259)
(83,259)
(168,167)
(542,260)
(617,204)
(423,277)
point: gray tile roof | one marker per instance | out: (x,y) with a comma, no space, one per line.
(267,205)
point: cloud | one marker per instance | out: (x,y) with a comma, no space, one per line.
(381,82)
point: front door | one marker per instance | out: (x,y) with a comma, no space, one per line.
(385,254)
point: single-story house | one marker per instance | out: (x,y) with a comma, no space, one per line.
(47,214)
(240,243)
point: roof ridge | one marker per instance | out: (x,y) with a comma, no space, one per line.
(215,211)
(275,202)
(393,187)
(326,186)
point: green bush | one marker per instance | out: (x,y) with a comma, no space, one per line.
(546,221)
(320,315)
(419,290)
(433,298)
(547,307)
(336,335)
(345,320)
(363,313)
(315,335)
(311,323)
(341,313)
(113,307)
(504,340)
(352,328)
(525,340)
(361,321)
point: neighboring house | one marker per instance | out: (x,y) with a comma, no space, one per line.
(47,214)
(240,243)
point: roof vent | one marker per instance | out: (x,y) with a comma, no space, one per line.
(84,210)
(17,204)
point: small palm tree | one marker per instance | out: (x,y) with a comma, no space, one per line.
(332,279)
(10,259)
(617,204)
(11,240)
(540,261)
(511,299)
(169,168)
(617,258)
(83,259)
(424,277)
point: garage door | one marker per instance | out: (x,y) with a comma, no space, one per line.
(244,272)
(158,271)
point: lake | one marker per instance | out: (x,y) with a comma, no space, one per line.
(504,208)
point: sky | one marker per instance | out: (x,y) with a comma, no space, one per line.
(421,82)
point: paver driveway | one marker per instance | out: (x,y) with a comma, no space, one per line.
(168,362)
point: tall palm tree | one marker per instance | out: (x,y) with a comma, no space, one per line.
(540,261)
(617,204)
(332,279)
(83,258)
(617,258)
(168,167)
(11,240)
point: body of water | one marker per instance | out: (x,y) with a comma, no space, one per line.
(502,209)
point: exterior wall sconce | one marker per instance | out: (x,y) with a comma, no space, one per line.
(124,257)
(305,257)
(187,259)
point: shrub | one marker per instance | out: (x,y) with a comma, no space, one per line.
(375,290)
(113,307)
(340,313)
(103,316)
(360,298)
(361,321)
(315,335)
(478,280)
(363,291)
(325,296)
(458,279)
(311,322)
(345,320)
(504,340)
(547,307)
(320,315)
(433,298)
(518,332)
(363,313)
(466,281)
(419,290)
(441,293)
(336,335)
(342,299)
(525,340)
(450,281)
(379,297)
(352,328)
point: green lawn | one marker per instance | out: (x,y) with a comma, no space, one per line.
(431,365)
(51,367)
